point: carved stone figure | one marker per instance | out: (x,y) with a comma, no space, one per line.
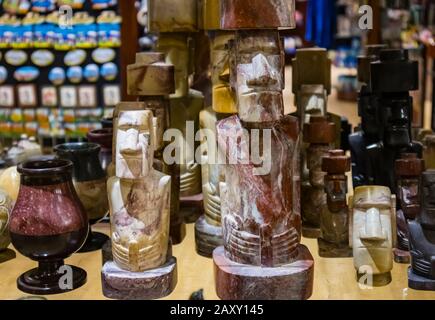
(174,27)
(373,234)
(392,77)
(421,275)
(367,110)
(262,257)
(139,198)
(334,219)
(408,171)
(152,80)
(319,134)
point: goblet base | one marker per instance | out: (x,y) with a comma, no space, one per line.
(52,278)
(94,242)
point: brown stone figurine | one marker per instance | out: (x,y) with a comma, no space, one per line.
(334,219)
(408,172)
(319,134)
(262,257)
(139,197)
(421,275)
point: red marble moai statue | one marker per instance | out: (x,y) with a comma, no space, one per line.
(262,257)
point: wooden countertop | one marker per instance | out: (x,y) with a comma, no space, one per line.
(334,278)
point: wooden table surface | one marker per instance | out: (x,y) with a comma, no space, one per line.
(333,278)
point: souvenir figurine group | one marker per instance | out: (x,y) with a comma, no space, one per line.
(252,178)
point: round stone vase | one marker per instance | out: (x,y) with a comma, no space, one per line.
(90,183)
(104,138)
(48,224)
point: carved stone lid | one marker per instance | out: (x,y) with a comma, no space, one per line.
(336,162)
(409,165)
(319,131)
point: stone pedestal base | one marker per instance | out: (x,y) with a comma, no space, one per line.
(207,237)
(191,208)
(152,284)
(401,256)
(417,282)
(331,250)
(243,282)
(7,255)
(177,231)
(311,232)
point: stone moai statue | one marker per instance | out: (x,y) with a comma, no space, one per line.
(368,133)
(392,77)
(139,197)
(421,275)
(176,23)
(262,257)
(334,218)
(208,228)
(319,135)
(151,80)
(409,169)
(373,234)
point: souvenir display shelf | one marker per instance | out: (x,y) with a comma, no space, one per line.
(59,117)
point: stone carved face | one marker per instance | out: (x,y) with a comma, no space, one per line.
(373,223)
(368,113)
(409,196)
(336,191)
(396,117)
(134,144)
(259,77)
(313,100)
(178,52)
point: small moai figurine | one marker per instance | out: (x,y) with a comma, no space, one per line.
(429,151)
(392,77)
(409,169)
(421,275)
(369,131)
(334,219)
(262,257)
(373,234)
(319,134)
(151,79)
(139,197)
(6,205)
(176,23)
(208,228)
(312,86)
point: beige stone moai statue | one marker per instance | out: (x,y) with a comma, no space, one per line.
(373,234)
(262,257)
(175,23)
(152,80)
(139,198)
(208,228)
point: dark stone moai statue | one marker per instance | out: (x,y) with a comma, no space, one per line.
(421,275)
(334,218)
(368,132)
(392,77)
(408,172)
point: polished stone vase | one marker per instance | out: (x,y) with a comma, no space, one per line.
(104,138)
(90,183)
(48,224)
